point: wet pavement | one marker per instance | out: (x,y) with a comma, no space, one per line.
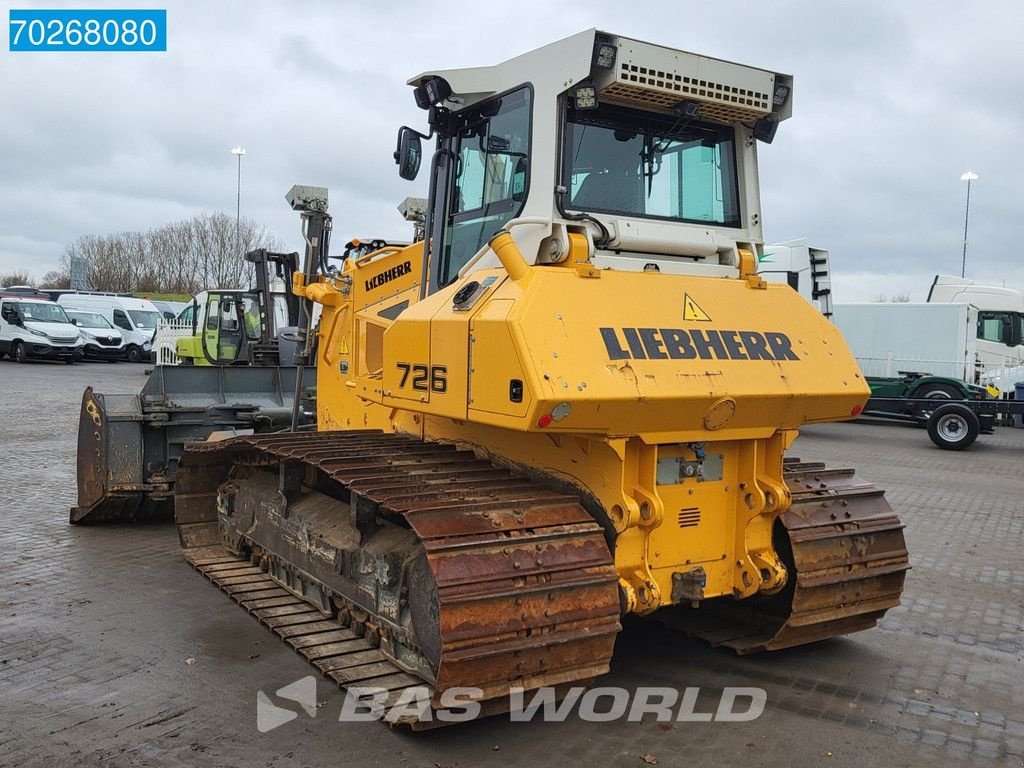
(113,651)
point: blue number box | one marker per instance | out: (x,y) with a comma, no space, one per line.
(87,30)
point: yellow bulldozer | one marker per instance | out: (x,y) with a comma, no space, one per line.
(569,401)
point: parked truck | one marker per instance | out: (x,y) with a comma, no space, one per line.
(981,341)
(1000,326)
(915,356)
(803,267)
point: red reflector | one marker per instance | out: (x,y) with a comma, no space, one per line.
(856,410)
(544,420)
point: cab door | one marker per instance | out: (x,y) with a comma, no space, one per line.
(211,329)
(223,331)
(122,321)
(6,308)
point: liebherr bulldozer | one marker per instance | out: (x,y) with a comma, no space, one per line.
(569,401)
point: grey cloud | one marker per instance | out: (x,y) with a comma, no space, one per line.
(892,102)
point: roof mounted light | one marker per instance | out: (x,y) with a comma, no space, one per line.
(437,89)
(765,128)
(781,94)
(604,52)
(433,91)
(689,110)
(585,97)
(302,197)
(420,94)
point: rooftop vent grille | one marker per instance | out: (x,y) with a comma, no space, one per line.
(650,87)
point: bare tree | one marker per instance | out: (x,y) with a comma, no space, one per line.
(15,278)
(182,257)
(56,278)
(896,298)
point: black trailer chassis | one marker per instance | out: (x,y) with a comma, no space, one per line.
(952,425)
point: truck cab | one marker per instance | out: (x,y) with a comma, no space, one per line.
(803,268)
(1000,324)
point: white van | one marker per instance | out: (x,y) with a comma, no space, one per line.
(35,328)
(102,340)
(169,309)
(135,318)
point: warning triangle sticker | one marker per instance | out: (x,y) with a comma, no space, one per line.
(692,312)
(344,346)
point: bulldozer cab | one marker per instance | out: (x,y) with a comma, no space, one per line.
(649,154)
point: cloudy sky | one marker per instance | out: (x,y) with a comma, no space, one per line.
(892,102)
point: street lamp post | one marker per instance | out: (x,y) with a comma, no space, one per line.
(239,151)
(967,176)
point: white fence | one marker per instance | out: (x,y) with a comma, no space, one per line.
(1005,379)
(165,343)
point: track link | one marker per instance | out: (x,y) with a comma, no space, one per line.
(332,646)
(525,585)
(526,591)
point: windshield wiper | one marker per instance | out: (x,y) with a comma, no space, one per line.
(686,113)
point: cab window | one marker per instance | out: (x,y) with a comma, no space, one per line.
(121,320)
(622,161)
(491,154)
(213,314)
(252,316)
(1001,327)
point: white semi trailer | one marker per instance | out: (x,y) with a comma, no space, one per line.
(966,329)
(927,338)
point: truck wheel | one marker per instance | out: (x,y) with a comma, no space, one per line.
(936,391)
(939,392)
(19,353)
(953,427)
(133,354)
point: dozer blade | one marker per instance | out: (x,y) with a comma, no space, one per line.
(391,563)
(129,445)
(847,558)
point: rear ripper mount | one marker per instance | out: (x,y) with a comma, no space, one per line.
(390,562)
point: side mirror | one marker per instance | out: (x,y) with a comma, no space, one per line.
(1009,333)
(409,153)
(74,321)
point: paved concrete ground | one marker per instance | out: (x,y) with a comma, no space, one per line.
(96,625)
